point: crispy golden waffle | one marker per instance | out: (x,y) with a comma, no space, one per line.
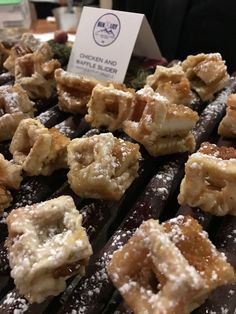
(168,268)
(46,241)
(209,180)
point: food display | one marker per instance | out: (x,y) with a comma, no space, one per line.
(94,217)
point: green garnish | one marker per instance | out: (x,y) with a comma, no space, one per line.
(60,51)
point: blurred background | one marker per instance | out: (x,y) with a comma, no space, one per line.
(43,8)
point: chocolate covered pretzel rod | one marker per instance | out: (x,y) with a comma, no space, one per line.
(4,150)
(4,265)
(6,78)
(51,117)
(44,104)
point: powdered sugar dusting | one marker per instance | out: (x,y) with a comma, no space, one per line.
(4,264)
(45,116)
(64,128)
(14,303)
(28,193)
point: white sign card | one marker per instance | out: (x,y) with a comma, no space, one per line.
(105,40)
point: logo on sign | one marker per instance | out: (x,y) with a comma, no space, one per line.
(106,29)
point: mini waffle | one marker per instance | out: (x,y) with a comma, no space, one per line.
(209,180)
(102,166)
(171,83)
(37,149)
(15,106)
(46,245)
(207,74)
(162,128)
(227,125)
(168,269)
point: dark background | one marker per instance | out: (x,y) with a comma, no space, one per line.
(184,27)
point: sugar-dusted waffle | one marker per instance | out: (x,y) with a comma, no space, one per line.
(31,63)
(102,166)
(162,128)
(37,149)
(110,106)
(168,268)
(35,75)
(10,178)
(209,182)
(207,74)
(46,245)
(26,45)
(15,106)
(171,83)
(74,91)
(227,126)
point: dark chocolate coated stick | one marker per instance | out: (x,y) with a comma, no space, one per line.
(4,266)
(52,116)
(6,78)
